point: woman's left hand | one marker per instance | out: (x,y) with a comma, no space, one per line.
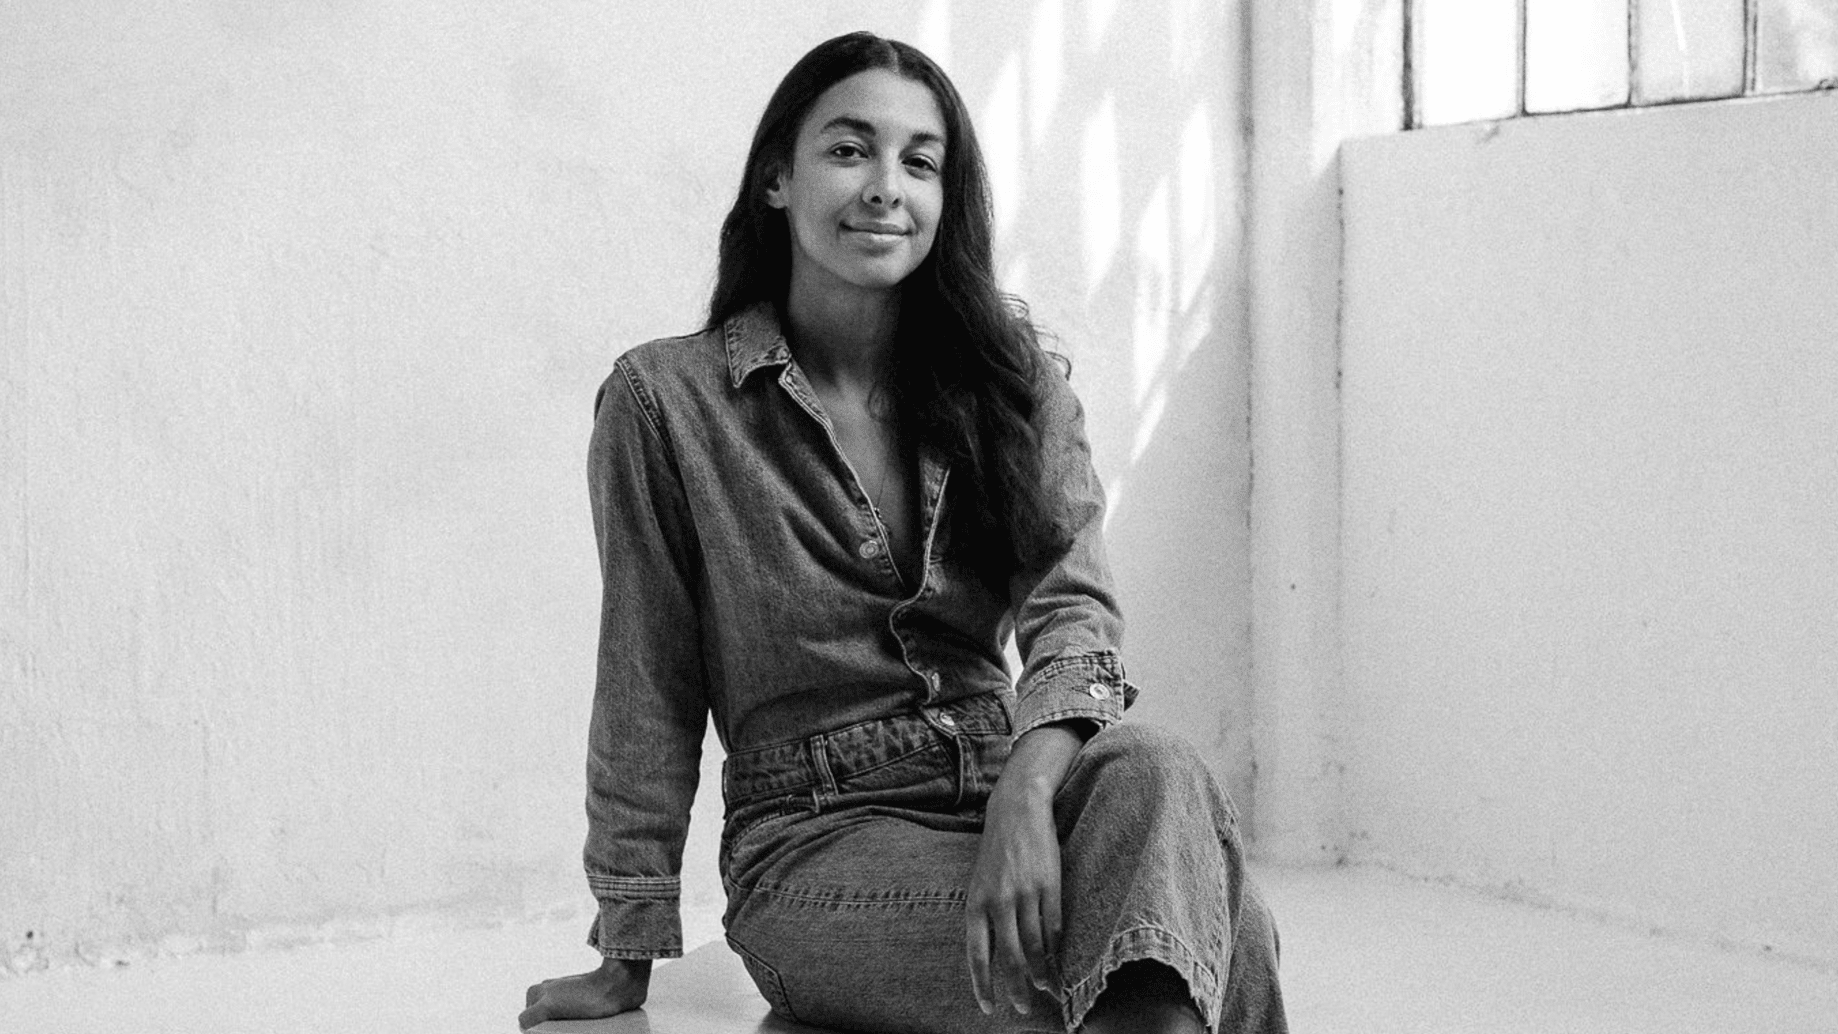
(1012,918)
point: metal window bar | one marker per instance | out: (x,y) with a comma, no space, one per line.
(1751,38)
(1635,95)
(1409,64)
(1520,23)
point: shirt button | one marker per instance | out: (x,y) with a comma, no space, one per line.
(869,549)
(932,679)
(1099,691)
(947,721)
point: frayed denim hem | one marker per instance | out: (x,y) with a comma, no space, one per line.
(1150,944)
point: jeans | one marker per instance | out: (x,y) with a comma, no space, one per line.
(845,858)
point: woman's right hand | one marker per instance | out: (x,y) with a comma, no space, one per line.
(619,985)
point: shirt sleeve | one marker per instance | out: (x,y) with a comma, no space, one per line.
(650,705)
(1068,627)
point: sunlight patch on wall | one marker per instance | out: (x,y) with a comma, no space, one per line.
(1100,194)
(999,130)
(1187,37)
(1097,23)
(1199,211)
(1046,67)
(1113,500)
(1013,277)
(934,34)
(1153,317)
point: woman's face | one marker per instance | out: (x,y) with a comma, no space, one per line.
(865,188)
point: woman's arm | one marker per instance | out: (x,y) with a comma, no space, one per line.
(1069,632)
(1068,627)
(1013,905)
(650,706)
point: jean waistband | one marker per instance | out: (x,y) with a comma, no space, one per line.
(817,762)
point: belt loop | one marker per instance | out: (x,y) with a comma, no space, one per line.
(966,767)
(826,780)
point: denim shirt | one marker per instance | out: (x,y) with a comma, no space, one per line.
(747,576)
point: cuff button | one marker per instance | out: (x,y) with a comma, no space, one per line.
(1099,691)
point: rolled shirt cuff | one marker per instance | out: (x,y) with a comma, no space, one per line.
(1090,686)
(640,917)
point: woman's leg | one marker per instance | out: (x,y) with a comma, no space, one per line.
(853,916)
(1154,874)
(854,919)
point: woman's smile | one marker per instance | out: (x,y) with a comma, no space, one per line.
(887,234)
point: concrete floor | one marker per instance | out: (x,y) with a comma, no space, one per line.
(1363,950)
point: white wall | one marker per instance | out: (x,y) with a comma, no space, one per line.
(302,308)
(1591,513)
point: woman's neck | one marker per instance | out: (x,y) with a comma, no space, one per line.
(841,340)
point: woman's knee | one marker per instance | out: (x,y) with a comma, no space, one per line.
(1145,752)
(1152,763)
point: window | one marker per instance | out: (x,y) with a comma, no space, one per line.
(1469,60)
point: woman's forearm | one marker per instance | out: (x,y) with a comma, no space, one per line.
(1039,761)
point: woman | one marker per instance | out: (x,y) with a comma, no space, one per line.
(819,520)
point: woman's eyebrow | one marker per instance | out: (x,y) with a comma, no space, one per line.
(862,126)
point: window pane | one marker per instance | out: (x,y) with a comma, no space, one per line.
(1796,44)
(1689,49)
(1465,60)
(1575,54)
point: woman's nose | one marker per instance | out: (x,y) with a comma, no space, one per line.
(883,186)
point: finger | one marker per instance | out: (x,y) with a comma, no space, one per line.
(1010,962)
(1033,942)
(532,1016)
(534,993)
(976,949)
(1051,918)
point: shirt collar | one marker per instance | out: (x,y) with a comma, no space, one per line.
(753,341)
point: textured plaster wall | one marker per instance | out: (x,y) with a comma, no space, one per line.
(1591,513)
(302,309)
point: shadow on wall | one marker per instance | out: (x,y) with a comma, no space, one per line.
(1113,134)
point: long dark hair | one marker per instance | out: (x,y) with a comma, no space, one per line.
(967,367)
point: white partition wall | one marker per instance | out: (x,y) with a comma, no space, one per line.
(1590,595)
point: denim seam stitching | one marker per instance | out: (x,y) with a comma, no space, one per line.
(640,394)
(946,896)
(856,773)
(1092,659)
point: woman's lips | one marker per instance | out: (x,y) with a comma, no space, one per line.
(876,231)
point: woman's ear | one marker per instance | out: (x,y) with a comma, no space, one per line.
(775,188)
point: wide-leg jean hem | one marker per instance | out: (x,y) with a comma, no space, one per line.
(1148,944)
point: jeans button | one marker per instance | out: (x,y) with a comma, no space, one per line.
(1099,691)
(947,721)
(869,549)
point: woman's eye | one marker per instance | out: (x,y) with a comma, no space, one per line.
(922,163)
(848,151)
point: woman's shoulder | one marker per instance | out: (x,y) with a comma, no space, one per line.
(656,374)
(684,359)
